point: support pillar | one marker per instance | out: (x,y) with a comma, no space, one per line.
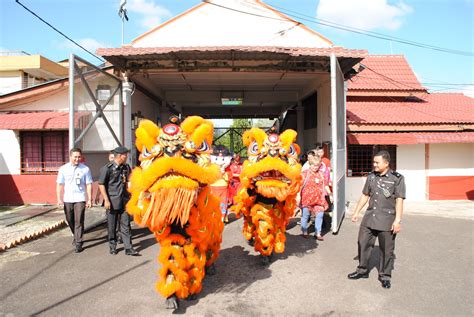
(127,116)
(300,125)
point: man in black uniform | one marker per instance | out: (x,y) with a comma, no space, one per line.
(385,191)
(113,182)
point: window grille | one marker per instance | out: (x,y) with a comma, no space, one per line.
(43,152)
(360,158)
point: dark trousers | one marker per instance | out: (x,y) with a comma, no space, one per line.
(366,243)
(115,217)
(75,219)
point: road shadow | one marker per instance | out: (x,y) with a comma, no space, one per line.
(238,267)
(374,261)
(58,303)
(142,238)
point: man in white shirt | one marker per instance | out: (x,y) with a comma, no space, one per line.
(75,180)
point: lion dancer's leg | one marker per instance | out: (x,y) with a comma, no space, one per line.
(264,233)
(282,214)
(249,229)
(173,282)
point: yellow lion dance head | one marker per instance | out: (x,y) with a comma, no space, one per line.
(272,167)
(270,181)
(175,164)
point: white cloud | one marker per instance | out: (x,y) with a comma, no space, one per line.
(364,14)
(88,43)
(151,13)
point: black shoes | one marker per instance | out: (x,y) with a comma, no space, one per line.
(78,248)
(113,250)
(132,252)
(356,275)
(385,283)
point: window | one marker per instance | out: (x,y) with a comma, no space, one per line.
(43,152)
(360,158)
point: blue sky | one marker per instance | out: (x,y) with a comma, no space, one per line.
(95,23)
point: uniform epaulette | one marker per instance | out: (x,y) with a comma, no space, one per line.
(110,164)
(396,174)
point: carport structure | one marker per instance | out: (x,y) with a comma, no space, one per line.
(215,65)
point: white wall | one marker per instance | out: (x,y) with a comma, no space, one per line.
(455,159)
(210,25)
(56,101)
(10,81)
(354,187)
(10,153)
(411,164)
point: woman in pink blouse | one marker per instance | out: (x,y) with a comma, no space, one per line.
(315,186)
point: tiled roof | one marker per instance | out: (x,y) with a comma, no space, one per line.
(215,51)
(410,138)
(435,108)
(41,120)
(385,72)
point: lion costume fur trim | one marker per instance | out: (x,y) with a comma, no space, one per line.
(273,176)
(171,196)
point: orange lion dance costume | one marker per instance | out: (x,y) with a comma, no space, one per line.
(270,181)
(171,196)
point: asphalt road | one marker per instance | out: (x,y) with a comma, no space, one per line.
(433,276)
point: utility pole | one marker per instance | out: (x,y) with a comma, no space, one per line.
(123,15)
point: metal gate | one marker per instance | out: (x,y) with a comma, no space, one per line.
(94,93)
(338,126)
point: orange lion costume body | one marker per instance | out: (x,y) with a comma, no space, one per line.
(270,181)
(171,196)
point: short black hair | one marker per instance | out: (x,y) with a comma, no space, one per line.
(384,154)
(319,146)
(311,152)
(74,150)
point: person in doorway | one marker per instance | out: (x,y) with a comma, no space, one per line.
(315,184)
(384,189)
(75,180)
(113,182)
(235,169)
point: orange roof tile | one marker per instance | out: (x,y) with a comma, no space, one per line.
(385,72)
(410,138)
(42,120)
(128,51)
(434,108)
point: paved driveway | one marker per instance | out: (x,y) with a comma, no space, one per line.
(433,276)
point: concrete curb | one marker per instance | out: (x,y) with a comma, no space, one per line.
(30,236)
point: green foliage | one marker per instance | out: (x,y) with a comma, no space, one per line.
(231,137)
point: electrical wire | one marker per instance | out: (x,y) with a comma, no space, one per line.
(371,33)
(348,29)
(51,26)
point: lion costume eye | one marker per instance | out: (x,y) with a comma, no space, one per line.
(292,150)
(203,147)
(253,148)
(145,153)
